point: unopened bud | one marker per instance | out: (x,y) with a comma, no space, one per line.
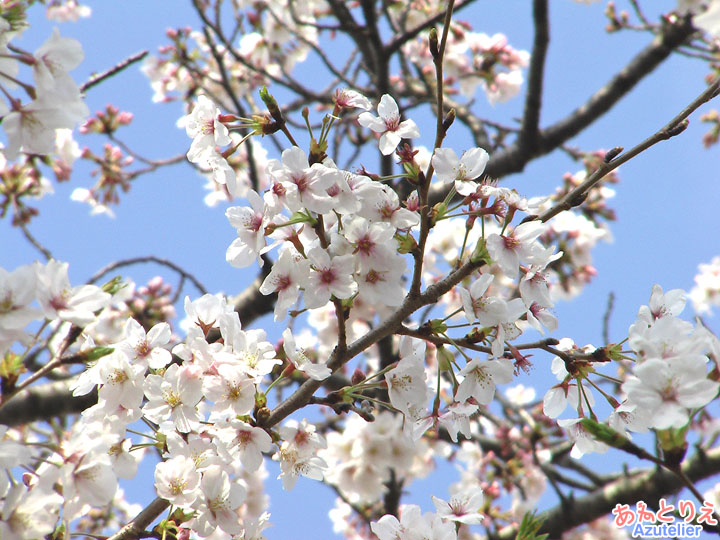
(438,211)
(445,359)
(433,41)
(357,377)
(97,352)
(480,253)
(260,400)
(448,120)
(272,105)
(262,414)
(678,128)
(612,154)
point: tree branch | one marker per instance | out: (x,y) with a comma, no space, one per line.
(43,402)
(514,158)
(411,304)
(648,485)
(136,528)
(528,137)
(674,127)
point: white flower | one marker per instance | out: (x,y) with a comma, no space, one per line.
(243,441)
(231,389)
(381,203)
(32,126)
(250,224)
(662,304)
(53,60)
(298,453)
(122,381)
(389,125)
(318,371)
(329,276)
(481,377)
(294,464)
(347,98)
(206,130)
(146,347)
(68,11)
(407,387)
(706,292)
(463,507)
(584,441)
(17,291)
(217,503)
(174,396)
(177,480)
(29,513)
(520,244)
(463,171)
(77,305)
(87,475)
(301,185)
(669,389)
(709,21)
(290,272)
(205,312)
(475,304)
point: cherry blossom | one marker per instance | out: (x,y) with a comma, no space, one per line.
(381,203)
(481,377)
(17,291)
(388,124)
(146,347)
(205,129)
(407,386)
(520,244)
(297,356)
(347,98)
(244,442)
(706,292)
(289,273)
(298,455)
(669,389)
(303,186)
(29,513)
(217,503)
(122,382)
(32,126)
(464,171)
(328,276)
(462,508)
(584,441)
(231,390)
(58,299)
(53,60)
(172,398)
(250,224)
(177,480)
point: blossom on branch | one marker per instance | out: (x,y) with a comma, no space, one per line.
(388,124)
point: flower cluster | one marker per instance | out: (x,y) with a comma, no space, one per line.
(56,101)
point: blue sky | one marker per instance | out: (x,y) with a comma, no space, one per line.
(666,202)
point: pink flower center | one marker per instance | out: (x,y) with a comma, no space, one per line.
(327,276)
(392,123)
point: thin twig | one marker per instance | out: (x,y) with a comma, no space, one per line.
(30,238)
(117,68)
(147,259)
(606,318)
(674,127)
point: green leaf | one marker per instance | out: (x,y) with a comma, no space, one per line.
(11,366)
(529,527)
